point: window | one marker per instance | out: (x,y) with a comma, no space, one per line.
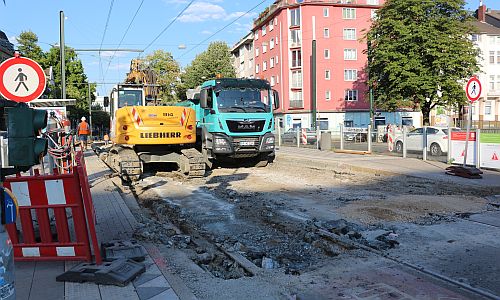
(277,39)
(276,59)
(498,57)
(348,13)
(372,2)
(351,95)
(487,108)
(277,79)
(492,82)
(492,57)
(264,30)
(273,80)
(323,123)
(271,26)
(326,32)
(350,54)
(257,68)
(275,21)
(295,17)
(492,39)
(296,79)
(328,95)
(475,37)
(256,36)
(350,75)
(296,99)
(350,34)
(498,82)
(349,123)
(327,74)
(256,51)
(296,58)
(295,39)
(271,44)
(264,66)
(250,64)
(271,62)
(327,53)
(264,47)
(326,12)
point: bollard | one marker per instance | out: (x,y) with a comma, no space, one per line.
(326,141)
(341,137)
(424,142)
(448,154)
(405,139)
(318,137)
(298,137)
(478,148)
(279,136)
(369,137)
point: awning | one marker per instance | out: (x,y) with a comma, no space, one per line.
(52,102)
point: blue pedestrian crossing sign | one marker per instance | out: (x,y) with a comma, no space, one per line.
(9,207)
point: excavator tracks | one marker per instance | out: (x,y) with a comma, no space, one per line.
(194,163)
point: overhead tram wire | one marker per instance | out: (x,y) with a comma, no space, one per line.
(169,24)
(123,37)
(223,28)
(103,36)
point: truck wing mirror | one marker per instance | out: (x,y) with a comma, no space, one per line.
(204,98)
(106,101)
(276,99)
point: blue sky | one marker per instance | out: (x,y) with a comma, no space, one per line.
(85,28)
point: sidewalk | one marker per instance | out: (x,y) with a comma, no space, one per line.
(37,280)
(391,165)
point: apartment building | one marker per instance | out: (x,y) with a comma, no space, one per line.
(486,111)
(243,57)
(6,47)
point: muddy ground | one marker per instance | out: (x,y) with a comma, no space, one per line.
(290,230)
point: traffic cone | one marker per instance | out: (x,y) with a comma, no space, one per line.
(495,156)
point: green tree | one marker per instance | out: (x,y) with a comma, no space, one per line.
(206,65)
(420,54)
(76,81)
(28,46)
(167,72)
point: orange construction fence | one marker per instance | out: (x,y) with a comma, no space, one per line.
(56,216)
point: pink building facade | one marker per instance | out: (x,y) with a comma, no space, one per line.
(283,37)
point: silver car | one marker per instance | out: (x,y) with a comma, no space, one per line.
(7,291)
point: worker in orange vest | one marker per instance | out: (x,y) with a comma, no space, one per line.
(83,132)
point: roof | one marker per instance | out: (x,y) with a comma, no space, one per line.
(485,28)
(247,39)
(494,13)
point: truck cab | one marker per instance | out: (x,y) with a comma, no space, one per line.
(235,119)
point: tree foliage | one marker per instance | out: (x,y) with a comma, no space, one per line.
(28,46)
(420,54)
(206,65)
(167,71)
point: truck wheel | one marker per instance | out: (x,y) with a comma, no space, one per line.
(208,162)
(399,147)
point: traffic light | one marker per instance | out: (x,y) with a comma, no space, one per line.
(23,127)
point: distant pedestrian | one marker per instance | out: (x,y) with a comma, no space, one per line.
(83,132)
(106,139)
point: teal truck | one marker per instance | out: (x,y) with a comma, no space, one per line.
(234,119)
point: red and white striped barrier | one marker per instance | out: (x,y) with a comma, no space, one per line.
(390,138)
(63,198)
(183,117)
(135,115)
(303,136)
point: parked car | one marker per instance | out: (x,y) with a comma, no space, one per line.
(290,136)
(437,140)
(7,291)
(355,136)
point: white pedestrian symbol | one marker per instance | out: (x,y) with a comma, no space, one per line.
(21,77)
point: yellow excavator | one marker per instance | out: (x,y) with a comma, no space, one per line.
(143,132)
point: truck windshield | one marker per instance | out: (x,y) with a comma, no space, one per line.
(243,100)
(129,98)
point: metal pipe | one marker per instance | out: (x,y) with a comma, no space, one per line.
(62,54)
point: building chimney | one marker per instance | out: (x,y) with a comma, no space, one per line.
(481,12)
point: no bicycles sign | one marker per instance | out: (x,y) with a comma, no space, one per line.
(21,79)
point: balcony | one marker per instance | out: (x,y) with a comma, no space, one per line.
(296,104)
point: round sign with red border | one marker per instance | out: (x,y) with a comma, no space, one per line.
(21,79)
(473,89)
